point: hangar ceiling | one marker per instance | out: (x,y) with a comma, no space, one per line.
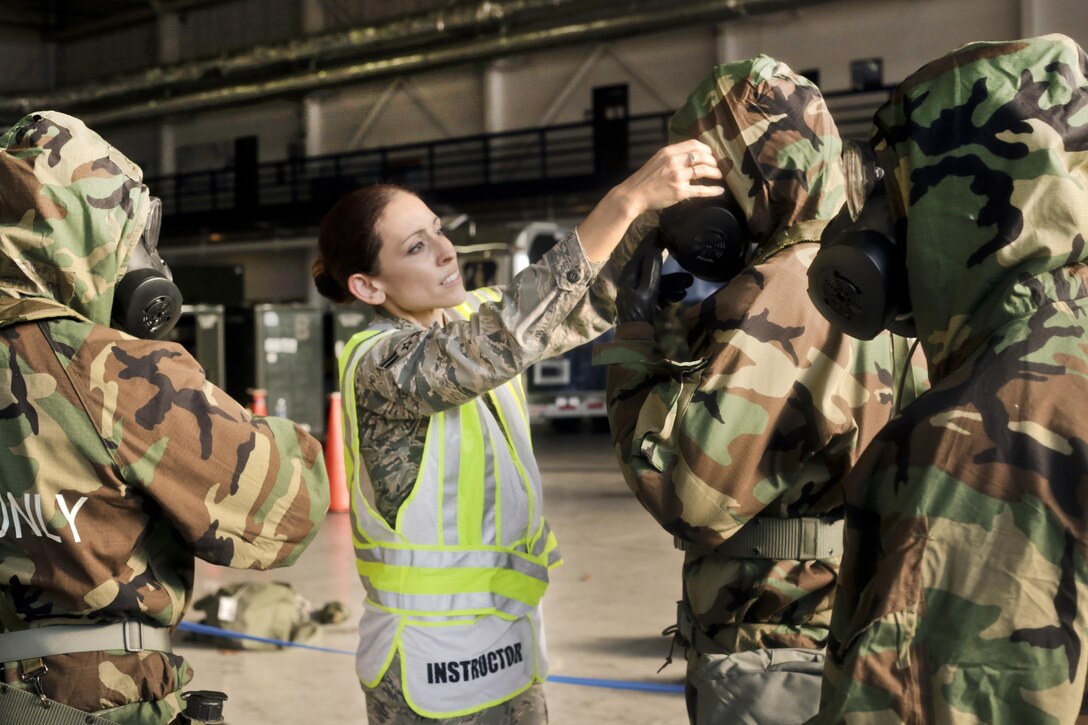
(59,20)
(449,33)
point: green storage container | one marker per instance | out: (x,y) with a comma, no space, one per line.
(346,321)
(201,331)
(279,348)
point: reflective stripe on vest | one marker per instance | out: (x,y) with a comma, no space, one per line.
(474,541)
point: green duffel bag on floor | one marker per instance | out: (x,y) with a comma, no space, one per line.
(273,610)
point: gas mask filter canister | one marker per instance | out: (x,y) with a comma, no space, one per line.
(858,279)
(147,303)
(707,239)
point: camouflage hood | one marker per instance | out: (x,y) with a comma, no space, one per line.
(72,208)
(776,144)
(988,150)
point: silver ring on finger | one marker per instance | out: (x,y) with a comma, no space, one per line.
(691,158)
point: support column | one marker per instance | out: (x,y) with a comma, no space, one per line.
(1039,17)
(495,97)
(312,126)
(312,17)
(168,27)
(728,46)
(167,148)
(169,38)
(1029,18)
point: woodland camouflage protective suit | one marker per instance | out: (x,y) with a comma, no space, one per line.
(963,594)
(774,406)
(118,461)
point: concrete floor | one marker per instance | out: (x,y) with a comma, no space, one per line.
(604,611)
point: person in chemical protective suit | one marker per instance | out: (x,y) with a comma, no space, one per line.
(964,586)
(120,462)
(740,450)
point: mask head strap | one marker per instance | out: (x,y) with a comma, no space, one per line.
(146,302)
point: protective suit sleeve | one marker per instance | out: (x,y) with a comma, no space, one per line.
(242,491)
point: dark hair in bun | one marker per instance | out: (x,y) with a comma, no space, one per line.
(327,285)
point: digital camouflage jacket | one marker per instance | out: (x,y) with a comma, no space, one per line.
(964,592)
(774,405)
(560,302)
(119,462)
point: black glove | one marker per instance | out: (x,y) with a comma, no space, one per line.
(639,282)
(673,288)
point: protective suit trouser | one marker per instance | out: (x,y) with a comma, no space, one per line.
(758,687)
(25,708)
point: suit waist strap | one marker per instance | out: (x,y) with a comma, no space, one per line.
(130,635)
(801,539)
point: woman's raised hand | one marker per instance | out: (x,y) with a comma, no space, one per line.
(671,175)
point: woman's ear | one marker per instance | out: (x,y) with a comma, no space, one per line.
(362,286)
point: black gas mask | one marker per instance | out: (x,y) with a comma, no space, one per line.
(858,280)
(146,302)
(707,238)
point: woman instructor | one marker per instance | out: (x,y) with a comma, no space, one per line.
(450,538)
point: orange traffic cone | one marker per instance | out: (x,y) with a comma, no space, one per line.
(258,401)
(339,501)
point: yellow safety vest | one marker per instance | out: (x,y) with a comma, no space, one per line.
(455,586)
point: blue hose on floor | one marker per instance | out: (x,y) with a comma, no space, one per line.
(617,684)
(205,629)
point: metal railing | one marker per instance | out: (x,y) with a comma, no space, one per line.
(523,162)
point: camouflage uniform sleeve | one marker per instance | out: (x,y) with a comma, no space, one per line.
(708,444)
(598,310)
(548,308)
(241,491)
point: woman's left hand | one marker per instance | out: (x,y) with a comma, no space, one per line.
(670,176)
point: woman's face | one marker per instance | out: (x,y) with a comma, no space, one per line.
(419,273)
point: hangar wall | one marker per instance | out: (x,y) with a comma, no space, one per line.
(539,88)
(554,86)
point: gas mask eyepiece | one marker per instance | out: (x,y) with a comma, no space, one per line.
(706,238)
(858,279)
(146,302)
